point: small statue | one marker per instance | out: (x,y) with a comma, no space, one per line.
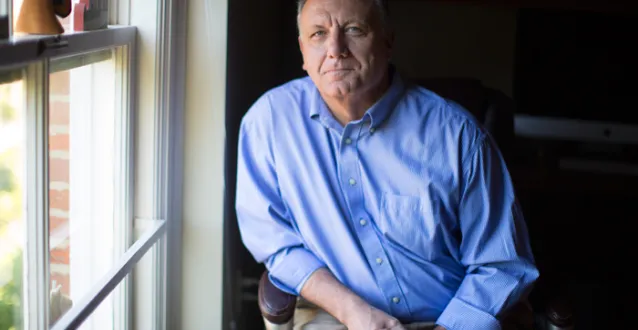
(40,16)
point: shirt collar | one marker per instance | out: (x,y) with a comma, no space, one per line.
(384,106)
(378,112)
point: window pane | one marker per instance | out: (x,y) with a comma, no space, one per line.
(145,288)
(103,316)
(85,226)
(12,200)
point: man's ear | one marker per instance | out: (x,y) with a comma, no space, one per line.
(303,66)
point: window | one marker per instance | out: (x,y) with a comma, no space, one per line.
(70,202)
(12,202)
(103,316)
(4,7)
(84,185)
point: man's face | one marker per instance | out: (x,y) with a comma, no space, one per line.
(345,49)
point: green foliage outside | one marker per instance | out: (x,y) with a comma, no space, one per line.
(10,211)
(10,296)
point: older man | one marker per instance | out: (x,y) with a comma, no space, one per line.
(376,200)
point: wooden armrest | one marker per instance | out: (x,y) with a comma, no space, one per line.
(559,313)
(276,306)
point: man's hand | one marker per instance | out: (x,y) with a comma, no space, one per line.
(327,292)
(439,327)
(365,317)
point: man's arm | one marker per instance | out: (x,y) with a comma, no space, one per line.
(264,224)
(325,291)
(494,248)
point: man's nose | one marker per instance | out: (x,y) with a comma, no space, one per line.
(337,46)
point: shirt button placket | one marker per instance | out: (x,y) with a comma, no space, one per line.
(370,243)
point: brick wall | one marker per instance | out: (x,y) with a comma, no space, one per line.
(59,179)
(59,175)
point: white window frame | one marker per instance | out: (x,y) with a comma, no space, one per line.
(162,27)
(154,92)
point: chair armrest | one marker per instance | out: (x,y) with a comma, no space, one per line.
(276,306)
(554,314)
(559,313)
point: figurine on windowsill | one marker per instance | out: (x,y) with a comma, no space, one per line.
(62,8)
(40,16)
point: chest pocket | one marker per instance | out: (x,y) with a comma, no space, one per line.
(410,222)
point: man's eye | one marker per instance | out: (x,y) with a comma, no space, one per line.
(318,34)
(354,30)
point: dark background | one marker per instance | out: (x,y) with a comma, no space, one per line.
(554,59)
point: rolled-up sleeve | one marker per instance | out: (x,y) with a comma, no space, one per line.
(264,224)
(495,247)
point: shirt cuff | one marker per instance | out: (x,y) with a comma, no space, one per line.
(459,315)
(294,270)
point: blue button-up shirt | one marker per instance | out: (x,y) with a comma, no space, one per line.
(411,207)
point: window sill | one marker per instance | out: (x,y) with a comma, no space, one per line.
(19,50)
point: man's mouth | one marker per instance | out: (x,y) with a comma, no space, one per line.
(337,71)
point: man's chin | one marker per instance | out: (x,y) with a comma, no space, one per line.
(337,89)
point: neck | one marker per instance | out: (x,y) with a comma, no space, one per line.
(352,107)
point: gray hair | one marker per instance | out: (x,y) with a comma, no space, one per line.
(382,7)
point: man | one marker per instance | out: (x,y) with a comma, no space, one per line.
(375,200)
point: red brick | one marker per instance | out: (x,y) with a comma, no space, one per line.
(59,83)
(59,170)
(56,222)
(59,142)
(60,256)
(59,113)
(59,199)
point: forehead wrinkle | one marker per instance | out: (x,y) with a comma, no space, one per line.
(321,14)
(327,19)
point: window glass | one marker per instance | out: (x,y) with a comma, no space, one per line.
(13,148)
(83,182)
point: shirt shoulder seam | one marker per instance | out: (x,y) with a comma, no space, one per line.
(470,122)
(472,152)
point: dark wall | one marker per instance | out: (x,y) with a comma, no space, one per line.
(436,39)
(262,53)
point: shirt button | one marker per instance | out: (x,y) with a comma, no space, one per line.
(348,141)
(352,182)
(379,261)
(372,130)
(363,222)
(396,300)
